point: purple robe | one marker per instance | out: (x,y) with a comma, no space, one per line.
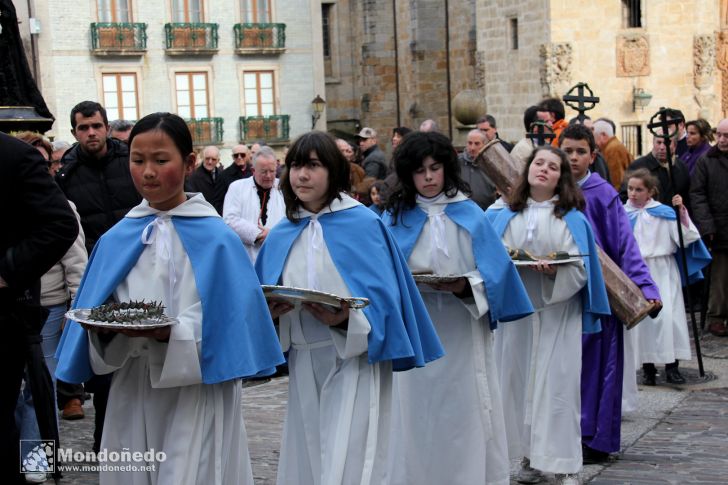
(691,156)
(603,353)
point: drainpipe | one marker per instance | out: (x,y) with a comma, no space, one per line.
(396,60)
(447,66)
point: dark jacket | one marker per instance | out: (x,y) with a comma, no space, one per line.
(203,181)
(102,189)
(709,197)
(38,223)
(227,176)
(679,171)
(600,166)
(375,164)
(482,188)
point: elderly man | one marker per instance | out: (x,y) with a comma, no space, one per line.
(656,163)
(121,129)
(487,125)
(483,190)
(710,212)
(429,125)
(615,153)
(255,204)
(204,178)
(374,164)
(241,168)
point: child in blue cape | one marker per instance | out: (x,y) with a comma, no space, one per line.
(540,356)
(448,419)
(175,390)
(340,362)
(663,339)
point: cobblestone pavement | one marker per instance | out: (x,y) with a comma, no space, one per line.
(678,436)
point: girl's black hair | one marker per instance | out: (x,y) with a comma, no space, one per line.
(169,123)
(408,157)
(324,145)
(570,195)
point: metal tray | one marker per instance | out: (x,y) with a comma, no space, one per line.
(433,279)
(81,316)
(549,261)
(292,295)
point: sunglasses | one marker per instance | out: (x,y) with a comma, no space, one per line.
(240,155)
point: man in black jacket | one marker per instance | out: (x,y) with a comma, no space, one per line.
(374,163)
(207,175)
(710,212)
(38,228)
(239,169)
(96,177)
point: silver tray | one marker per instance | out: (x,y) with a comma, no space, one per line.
(292,295)
(434,279)
(549,261)
(81,316)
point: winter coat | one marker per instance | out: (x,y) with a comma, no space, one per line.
(709,197)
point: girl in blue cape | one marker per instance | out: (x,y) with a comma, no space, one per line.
(539,357)
(448,417)
(663,339)
(341,362)
(175,390)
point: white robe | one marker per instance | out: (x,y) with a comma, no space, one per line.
(339,406)
(539,357)
(663,339)
(241,211)
(157,399)
(448,417)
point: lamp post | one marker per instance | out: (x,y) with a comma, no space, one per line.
(640,99)
(318,105)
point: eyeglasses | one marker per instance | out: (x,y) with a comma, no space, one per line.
(240,155)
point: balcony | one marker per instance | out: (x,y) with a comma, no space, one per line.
(260,38)
(191,39)
(118,39)
(206,131)
(271,129)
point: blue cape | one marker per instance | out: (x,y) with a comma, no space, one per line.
(238,338)
(507,298)
(696,254)
(594,295)
(372,266)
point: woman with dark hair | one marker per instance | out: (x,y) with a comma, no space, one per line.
(540,356)
(176,389)
(699,137)
(340,359)
(440,230)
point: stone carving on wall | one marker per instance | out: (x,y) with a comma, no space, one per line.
(703,60)
(480,70)
(722,63)
(633,55)
(556,64)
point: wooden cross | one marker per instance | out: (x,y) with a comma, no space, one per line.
(541,137)
(580,100)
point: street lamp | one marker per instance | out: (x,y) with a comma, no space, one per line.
(640,98)
(318,104)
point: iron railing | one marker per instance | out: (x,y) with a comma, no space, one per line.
(206,131)
(191,37)
(256,37)
(118,36)
(270,129)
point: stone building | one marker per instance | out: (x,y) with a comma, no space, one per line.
(238,70)
(399,62)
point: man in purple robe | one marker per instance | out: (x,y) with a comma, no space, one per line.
(603,353)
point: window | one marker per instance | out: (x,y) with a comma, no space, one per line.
(513,24)
(631,14)
(258,93)
(192,98)
(187,11)
(632,136)
(326,27)
(120,96)
(255,11)
(114,10)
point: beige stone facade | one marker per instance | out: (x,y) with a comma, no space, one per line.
(516,52)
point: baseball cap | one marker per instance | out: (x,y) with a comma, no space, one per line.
(367,132)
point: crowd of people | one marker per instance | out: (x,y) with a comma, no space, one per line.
(442,381)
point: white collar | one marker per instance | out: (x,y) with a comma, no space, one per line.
(336,205)
(194,206)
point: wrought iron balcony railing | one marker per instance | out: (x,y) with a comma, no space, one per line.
(190,38)
(206,131)
(260,38)
(270,129)
(116,38)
